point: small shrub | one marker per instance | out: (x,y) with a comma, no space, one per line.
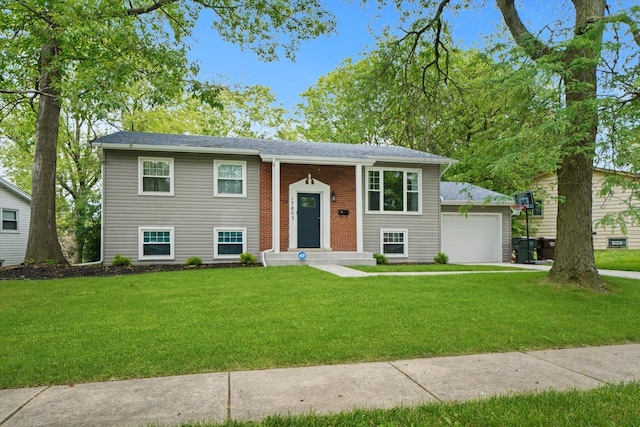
(441,258)
(51,262)
(247,258)
(381,259)
(120,261)
(194,260)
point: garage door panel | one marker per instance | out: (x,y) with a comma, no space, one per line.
(472,238)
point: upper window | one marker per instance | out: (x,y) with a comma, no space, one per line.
(394,243)
(229,178)
(155,176)
(538,209)
(9,220)
(229,242)
(155,243)
(393,190)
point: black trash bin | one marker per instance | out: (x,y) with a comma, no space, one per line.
(519,246)
(546,248)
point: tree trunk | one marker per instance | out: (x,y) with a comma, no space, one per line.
(43,245)
(574,260)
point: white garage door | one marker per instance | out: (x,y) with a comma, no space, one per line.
(474,238)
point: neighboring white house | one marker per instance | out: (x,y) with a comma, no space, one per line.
(543,218)
(15,212)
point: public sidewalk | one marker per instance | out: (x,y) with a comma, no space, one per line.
(253,395)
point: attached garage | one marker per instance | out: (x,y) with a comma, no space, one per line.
(476,237)
(483,235)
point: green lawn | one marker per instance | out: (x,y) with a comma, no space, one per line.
(613,405)
(79,330)
(618,259)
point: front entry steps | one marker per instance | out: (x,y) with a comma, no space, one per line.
(315,257)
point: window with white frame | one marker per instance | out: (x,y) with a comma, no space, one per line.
(10,220)
(155,176)
(229,242)
(393,190)
(229,178)
(393,243)
(156,243)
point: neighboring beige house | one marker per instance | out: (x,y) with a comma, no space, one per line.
(543,219)
(15,212)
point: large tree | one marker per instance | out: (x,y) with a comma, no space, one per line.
(87,52)
(486,119)
(572,48)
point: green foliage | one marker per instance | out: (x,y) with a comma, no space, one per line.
(441,258)
(486,114)
(247,258)
(194,260)
(90,55)
(247,112)
(121,261)
(381,259)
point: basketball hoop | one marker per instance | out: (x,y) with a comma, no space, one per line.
(516,209)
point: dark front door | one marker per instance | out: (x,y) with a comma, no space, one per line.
(308,220)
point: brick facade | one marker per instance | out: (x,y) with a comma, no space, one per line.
(341,180)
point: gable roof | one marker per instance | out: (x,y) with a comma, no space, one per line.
(463,193)
(15,190)
(268,150)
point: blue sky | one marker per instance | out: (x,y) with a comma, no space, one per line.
(225,62)
(222,61)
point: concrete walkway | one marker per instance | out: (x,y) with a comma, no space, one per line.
(342,271)
(253,395)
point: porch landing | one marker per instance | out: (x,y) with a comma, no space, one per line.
(273,259)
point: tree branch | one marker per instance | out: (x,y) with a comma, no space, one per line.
(154,6)
(523,37)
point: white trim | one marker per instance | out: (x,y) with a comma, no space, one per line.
(314,160)
(413,160)
(405,233)
(177,148)
(17,212)
(217,230)
(217,163)
(141,160)
(275,206)
(404,171)
(142,256)
(14,189)
(317,187)
(359,211)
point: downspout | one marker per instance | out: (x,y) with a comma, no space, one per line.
(275,199)
(446,169)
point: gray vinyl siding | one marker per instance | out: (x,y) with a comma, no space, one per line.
(13,244)
(423,231)
(506,223)
(193,210)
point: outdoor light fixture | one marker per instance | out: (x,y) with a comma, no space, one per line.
(333,196)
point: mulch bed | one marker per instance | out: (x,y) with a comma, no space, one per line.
(44,271)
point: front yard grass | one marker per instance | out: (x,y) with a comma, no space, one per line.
(618,259)
(95,329)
